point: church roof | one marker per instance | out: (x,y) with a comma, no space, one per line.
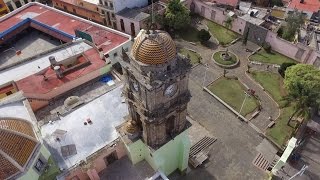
(17,144)
(156,47)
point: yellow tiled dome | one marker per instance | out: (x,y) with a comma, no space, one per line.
(17,142)
(156,47)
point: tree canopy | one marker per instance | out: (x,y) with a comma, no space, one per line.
(302,82)
(284,67)
(176,15)
(294,21)
(203,35)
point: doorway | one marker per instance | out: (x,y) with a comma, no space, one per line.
(111,158)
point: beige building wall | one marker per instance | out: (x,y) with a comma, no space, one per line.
(96,162)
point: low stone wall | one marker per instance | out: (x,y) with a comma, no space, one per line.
(226,66)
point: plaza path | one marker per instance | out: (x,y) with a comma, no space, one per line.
(231,155)
(269,106)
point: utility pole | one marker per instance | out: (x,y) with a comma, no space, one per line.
(246,95)
(300,173)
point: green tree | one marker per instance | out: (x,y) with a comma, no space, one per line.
(203,35)
(294,21)
(176,15)
(228,23)
(245,39)
(267,47)
(284,67)
(263,3)
(303,85)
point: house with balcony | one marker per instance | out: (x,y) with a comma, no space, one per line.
(99,11)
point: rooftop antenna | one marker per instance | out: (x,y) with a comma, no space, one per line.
(153,25)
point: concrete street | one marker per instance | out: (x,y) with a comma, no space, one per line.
(233,152)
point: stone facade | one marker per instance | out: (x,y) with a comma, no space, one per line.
(157,96)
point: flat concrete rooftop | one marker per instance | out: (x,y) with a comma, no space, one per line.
(105,112)
(29,44)
(123,169)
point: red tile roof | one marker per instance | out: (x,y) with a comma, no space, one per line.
(307,5)
(103,37)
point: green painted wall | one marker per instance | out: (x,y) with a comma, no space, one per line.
(31,174)
(106,69)
(171,156)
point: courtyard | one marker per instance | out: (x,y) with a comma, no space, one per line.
(269,90)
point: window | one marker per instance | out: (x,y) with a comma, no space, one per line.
(115,25)
(111,4)
(65,8)
(97,9)
(93,16)
(25,1)
(74,10)
(115,54)
(39,165)
(133,31)
(18,4)
(122,25)
(10,6)
(57,4)
(112,15)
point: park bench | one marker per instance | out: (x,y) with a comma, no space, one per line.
(271,124)
(255,114)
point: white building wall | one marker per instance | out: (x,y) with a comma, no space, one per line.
(122,4)
(127,25)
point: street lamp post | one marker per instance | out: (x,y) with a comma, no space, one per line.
(246,96)
(299,173)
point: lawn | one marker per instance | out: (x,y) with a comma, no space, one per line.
(272,83)
(194,57)
(217,57)
(281,132)
(189,33)
(271,58)
(222,34)
(232,91)
(51,172)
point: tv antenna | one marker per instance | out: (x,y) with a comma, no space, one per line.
(153,24)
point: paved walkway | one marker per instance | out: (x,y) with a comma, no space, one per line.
(234,150)
(269,106)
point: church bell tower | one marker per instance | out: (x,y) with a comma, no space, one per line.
(156,91)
